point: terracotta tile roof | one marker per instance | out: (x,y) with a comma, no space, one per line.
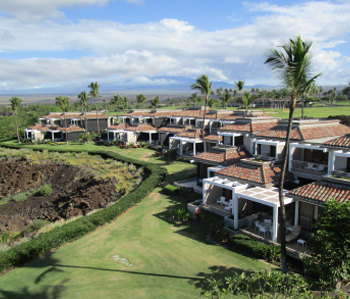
(188,113)
(322,191)
(56,128)
(253,127)
(267,174)
(171,129)
(229,157)
(134,113)
(121,126)
(213,137)
(307,133)
(341,142)
(237,128)
(77,115)
(191,134)
(141,128)
(73,129)
(159,113)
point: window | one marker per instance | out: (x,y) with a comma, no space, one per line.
(272,150)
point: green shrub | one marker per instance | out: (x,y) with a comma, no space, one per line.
(45,190)
(73,230)
(35,226)
(247,245)
(171,189)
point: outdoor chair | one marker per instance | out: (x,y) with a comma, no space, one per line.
(263,229)
(221,200)
(267,222)
(295,233)
(320,168)
(257,224)
(309,166)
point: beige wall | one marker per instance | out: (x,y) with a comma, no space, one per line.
(212,193)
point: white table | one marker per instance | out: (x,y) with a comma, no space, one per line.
(301,242)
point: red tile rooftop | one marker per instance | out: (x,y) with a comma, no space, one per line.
(267,174)
(121,126)
(56,128)
(307,133)
(322,191)
(191,134)
(341,142)
(251,127)
(223,158)
(74,115)
(171,129)
(141,128)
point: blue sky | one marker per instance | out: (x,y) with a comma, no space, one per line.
(63,45)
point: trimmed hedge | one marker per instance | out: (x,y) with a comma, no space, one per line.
(53,239)
(250,246)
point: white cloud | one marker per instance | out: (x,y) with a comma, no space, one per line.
(29,10)
(170,47)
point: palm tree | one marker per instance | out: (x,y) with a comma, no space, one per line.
(205,87)
(94,93)
(155,102)
(263,94)
(83,99)
(63,102)
(116,100)
(247,100)
(15,104)
(239,86)
(224,95)
(140,98)
(292,65)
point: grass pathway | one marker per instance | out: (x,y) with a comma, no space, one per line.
(139,255)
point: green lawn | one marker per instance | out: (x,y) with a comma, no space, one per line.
(161,260)
(317,112)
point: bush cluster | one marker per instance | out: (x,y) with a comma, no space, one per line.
(45,190)
(180,214)
(253,247)
(45,242)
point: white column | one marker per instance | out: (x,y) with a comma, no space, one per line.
(52,136)
(290,157)
(233,140)
(218,138)
(330,162)
(180,147)
(235,211)
(204,191)
(150,138)
(194,148)
(275,223)
(107,136)
(296,212)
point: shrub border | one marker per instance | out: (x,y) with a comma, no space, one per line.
(44,243)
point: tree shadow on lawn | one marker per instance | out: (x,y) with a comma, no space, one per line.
(215,272)
(46,291)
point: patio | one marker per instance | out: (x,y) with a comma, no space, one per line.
(293,248)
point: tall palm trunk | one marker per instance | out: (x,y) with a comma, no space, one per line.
(203,126)
(98,120)
(16,125)
(86,124)
(282,210)
(65,125)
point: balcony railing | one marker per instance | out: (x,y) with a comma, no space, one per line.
(265,157)
(309,167)
(341,173)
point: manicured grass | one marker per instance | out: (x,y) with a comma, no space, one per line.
(177,170)
(317,112)
(162,260)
